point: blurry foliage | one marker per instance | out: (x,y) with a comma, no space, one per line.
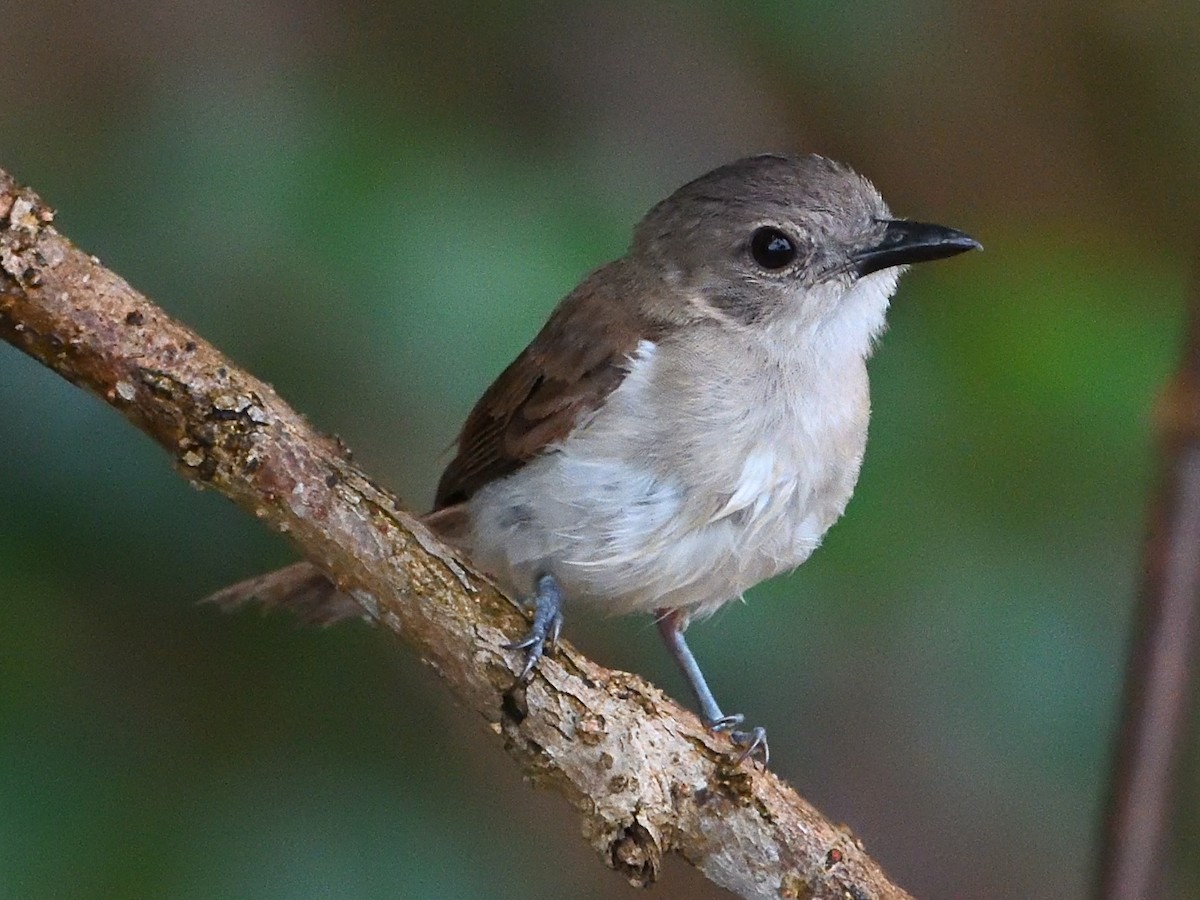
(374,206)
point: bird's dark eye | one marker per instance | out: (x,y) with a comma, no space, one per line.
(771,248)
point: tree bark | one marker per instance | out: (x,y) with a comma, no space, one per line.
(645,776)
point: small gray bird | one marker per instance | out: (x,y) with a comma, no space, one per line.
(692,418)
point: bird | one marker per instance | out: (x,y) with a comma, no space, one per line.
(690,420)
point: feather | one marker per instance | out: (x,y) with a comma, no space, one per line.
(580,357)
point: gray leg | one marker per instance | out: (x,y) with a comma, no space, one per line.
(671,624)
(547,624)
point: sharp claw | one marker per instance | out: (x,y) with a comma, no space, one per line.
(755,744)
(534,645)
(543,633)
(531,660)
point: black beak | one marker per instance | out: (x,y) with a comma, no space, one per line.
(906,242)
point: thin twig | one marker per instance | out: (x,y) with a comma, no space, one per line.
(1163,654)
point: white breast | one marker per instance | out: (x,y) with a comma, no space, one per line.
(715,465)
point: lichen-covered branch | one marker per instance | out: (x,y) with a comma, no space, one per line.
(646,777)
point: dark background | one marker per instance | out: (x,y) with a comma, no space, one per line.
(373,206)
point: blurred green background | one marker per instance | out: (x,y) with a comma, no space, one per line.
(373,206)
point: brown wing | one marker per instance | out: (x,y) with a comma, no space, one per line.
(578,359)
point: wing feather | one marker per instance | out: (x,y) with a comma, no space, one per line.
(580,356)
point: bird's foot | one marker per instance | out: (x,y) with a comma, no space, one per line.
(671,623)
(547,625)
(752,742)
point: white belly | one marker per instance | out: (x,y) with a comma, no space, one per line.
(679,498)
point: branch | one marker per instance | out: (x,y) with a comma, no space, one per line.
(1163,652)
(645,776)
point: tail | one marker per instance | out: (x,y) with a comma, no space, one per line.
(303,590)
